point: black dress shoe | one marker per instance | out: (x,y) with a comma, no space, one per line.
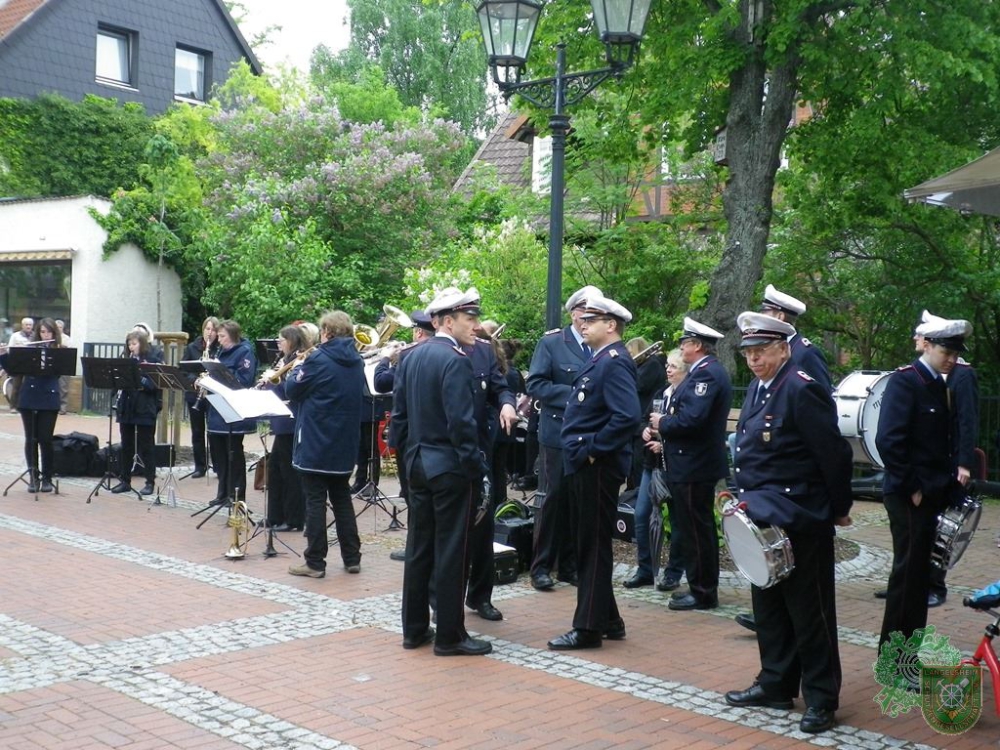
(148,489)
(667,583)
(881,594)
(416,641)
(755,696)
(486,610)
(935,600)
(576,639)
(281,527)
(687,602)
(46,486)
(466,647)
(638,581)
(120,488)
(816,720)
(32,486)
(216,501)
(198,473)
(571,578)
(398,554)
(747,621)
(542,581)
(615,631)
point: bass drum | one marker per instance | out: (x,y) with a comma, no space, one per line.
(859,398)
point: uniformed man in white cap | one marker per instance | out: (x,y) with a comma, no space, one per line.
(558,359)
(793,471)
(804,354)
(694,443)
(600,419)
(915,442)
(433,415)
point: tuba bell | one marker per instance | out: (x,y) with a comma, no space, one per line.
(394,320)
(364,337)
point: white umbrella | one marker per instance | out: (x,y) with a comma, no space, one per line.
(974,188)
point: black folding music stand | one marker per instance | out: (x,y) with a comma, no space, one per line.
(264,524)
(236,405)
(113,374)
(267,350)
(371,494)
(167,378)
(40,361)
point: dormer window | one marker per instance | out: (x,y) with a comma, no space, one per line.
(116,56)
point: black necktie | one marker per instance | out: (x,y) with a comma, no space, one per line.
(587,352)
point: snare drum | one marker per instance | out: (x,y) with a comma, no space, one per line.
(955,528)
(859,399)
(762,554)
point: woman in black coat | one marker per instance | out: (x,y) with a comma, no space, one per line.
(204,347)
(137,411)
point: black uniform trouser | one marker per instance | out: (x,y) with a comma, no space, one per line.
(556,520)
(197,418)
(481,566)
(39,427)
(317,488)
(913,530)
(693,505)
(230,464)
(797,627)
(440,512)
(285,501)
(594,491)
(137,440)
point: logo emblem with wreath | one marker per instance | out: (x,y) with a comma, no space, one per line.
(899,664)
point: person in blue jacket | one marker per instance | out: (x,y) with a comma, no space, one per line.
(38,402)
(598,425)
(137,411)
(326,390)
(225,441)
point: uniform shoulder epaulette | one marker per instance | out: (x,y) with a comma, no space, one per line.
(409,346)
(613,353)
(554,330)
(460,350)
(904,367)
(805,341)
(702,366)
(805,376)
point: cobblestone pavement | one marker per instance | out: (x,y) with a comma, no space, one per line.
(122,625)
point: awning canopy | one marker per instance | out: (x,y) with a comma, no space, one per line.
(974,188)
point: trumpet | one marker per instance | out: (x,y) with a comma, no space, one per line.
(648,352)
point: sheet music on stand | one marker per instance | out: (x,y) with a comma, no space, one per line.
(41,361)
(247,403)
(218,371)
(166,377)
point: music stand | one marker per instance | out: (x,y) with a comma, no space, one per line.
(45,362)
(371,494)
(236,406)
(114,374)
(267,350)
(264,524)
(166,378)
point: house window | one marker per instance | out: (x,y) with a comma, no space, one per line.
(190,71)
(115,56)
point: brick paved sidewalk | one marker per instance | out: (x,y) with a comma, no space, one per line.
(124,626)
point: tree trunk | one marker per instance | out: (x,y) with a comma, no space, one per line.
(760,109)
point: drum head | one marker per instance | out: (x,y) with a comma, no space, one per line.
(869,418)
(970,514)
(853,397)
(746,548)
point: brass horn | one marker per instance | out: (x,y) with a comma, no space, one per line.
(394,320)
(648,352)
(364,336)
(239,522)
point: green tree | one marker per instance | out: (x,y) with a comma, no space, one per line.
(427,52)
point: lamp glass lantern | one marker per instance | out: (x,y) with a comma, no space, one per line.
(508,30)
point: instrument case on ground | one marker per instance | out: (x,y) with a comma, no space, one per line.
(504,564)
(518,533)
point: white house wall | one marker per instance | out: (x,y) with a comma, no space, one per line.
(108,296)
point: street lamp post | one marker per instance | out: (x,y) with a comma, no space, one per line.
(508,29)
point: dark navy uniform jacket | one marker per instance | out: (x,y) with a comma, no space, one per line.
(282,425)
(195,350)
(385,382)
(555,365)
(327,390)
(964,389)
(242,363)
(491,391)
(602,412)
(694,427)
(141,406)
(914,433)
(432,413)
(793,467)
(805,356)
